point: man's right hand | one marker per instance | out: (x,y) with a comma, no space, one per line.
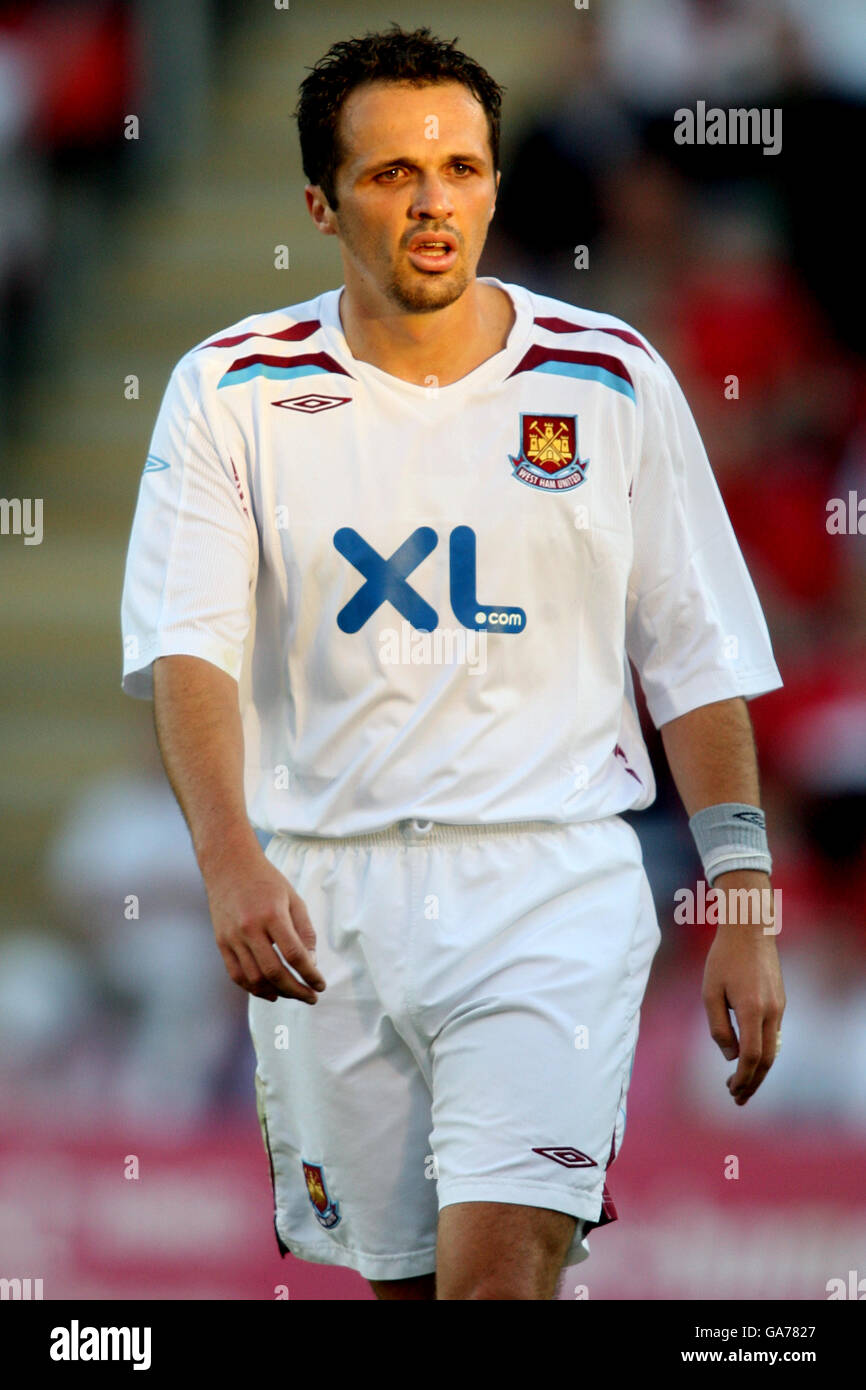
(255,909)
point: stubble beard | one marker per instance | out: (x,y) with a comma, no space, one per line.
(418,292)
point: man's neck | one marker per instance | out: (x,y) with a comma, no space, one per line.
(444,345)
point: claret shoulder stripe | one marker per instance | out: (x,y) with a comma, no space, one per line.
(281,368)
(295,333)
(555,325)
(590,366)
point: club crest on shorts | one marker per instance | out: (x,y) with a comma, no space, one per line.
(327,1212)
(548,456)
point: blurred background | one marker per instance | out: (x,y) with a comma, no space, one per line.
(148,168)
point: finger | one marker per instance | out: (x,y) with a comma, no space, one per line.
(296,939)
(273,972)
(295,953)
(750,1053)
(770,1034)
(301,921)
(232,965)
(721,1029)
(254,982)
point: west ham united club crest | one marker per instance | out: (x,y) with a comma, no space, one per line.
(327,1212)
(548,455)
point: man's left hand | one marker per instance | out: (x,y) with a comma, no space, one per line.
(743,974)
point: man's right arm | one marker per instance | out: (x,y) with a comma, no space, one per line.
(253,906)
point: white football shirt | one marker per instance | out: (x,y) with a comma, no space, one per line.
(429,595)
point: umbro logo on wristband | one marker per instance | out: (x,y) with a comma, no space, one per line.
(730,836)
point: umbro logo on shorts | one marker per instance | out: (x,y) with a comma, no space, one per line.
(569,1158)
(312,404)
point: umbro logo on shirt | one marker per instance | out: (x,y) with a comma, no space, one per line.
(312,404)
(569,1158)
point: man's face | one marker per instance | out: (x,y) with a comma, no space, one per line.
(416,166)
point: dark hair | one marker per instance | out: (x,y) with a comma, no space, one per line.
(395,55)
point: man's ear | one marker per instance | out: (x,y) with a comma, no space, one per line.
(319,209)
(496,192)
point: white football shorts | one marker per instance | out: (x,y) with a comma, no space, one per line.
(475,1040)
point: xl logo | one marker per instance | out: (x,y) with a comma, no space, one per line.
(385,582)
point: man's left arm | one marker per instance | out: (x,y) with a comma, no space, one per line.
(711,754)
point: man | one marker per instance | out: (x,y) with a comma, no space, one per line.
(338,497)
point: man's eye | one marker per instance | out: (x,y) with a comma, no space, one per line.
(386,172)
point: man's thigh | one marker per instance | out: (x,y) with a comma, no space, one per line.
(490,1250)
(499,1250)
(533,1006)
(344,1103)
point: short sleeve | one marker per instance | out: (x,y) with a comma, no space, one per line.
(192,561)
(694,625)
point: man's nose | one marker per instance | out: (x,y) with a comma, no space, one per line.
(433,201)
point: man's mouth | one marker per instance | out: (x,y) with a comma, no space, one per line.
(433,251)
